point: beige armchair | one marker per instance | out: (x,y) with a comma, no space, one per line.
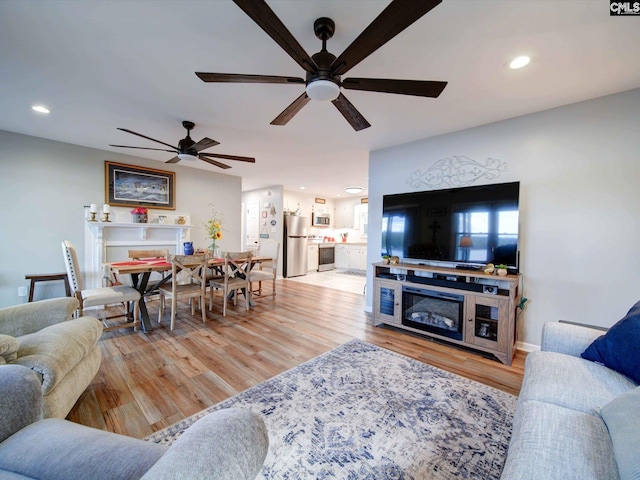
(62,351)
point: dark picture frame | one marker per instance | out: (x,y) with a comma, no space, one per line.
(132,185)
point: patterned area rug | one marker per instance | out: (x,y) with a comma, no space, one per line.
(363,412)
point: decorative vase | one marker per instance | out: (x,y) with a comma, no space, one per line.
(385,261)
(502,272)
(188,248)
(344,239)
(214,252)
(139,218)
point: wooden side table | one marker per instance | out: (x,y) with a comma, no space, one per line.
(47,277)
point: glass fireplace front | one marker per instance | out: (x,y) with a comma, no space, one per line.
(432,311)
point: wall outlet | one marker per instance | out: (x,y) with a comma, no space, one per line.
(22,291)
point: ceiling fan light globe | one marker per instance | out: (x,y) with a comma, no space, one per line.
(323,90)
(186,156)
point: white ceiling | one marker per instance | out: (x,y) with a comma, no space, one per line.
(104,64)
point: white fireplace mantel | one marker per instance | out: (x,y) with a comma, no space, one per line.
(109,242)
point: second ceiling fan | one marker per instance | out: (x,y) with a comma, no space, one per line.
(324,70)
(187,149)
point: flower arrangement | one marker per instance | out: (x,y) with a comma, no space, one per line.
(139,211)
(214,227)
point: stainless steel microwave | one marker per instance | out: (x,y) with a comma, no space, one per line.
(320,220)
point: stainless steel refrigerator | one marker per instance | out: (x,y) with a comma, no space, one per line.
(295,246)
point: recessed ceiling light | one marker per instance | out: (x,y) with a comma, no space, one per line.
(519,62)
(40,109)
(302,188)
(353,189)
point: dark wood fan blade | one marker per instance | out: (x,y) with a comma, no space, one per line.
(289,112)
(144,148)
(229,157)
(148,138)
(175,159)
(204,144)
(348,111)
(262,14)
(239,78)
(213,162)
(398,15)
(419,88)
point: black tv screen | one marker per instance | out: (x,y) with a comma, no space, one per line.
(469,225)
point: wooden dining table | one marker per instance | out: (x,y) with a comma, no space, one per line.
(141,270)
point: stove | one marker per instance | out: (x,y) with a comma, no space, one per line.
(326,257)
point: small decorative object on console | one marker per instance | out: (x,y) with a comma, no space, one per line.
(385,259)
(394,260)
(501,270)
(489,268)
(139,214)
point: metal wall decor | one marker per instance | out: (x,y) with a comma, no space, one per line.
(457,171)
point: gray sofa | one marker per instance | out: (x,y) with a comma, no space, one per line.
(575,419)
(228,444)
(63,352)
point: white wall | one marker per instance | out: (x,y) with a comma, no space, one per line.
(578,168)
(44,186)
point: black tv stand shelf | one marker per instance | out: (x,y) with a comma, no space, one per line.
(468,267)
(490,303)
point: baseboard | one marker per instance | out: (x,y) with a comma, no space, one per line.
(527,347)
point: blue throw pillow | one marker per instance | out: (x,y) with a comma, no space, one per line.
(619,348)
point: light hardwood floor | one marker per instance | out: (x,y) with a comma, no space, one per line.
(149,381)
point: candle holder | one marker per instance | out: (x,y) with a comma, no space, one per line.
(92,218)
(105,218)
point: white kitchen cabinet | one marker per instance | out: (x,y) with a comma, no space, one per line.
(342,256)
(312,259)
(351,257)
(361,218)
(344,216)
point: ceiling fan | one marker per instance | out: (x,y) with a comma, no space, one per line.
(187,149)
(323,70)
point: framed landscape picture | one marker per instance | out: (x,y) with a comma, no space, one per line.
(131,185)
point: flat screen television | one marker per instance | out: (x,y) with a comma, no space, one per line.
(467,226)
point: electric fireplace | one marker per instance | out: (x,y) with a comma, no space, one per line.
(433,311)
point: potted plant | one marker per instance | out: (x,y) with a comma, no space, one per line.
(501,269)
(385,259)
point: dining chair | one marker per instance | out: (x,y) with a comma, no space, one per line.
(161,254)
(149,254)
(236,278)
(102,296)
(267,270)
(214,273)
(187,281)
